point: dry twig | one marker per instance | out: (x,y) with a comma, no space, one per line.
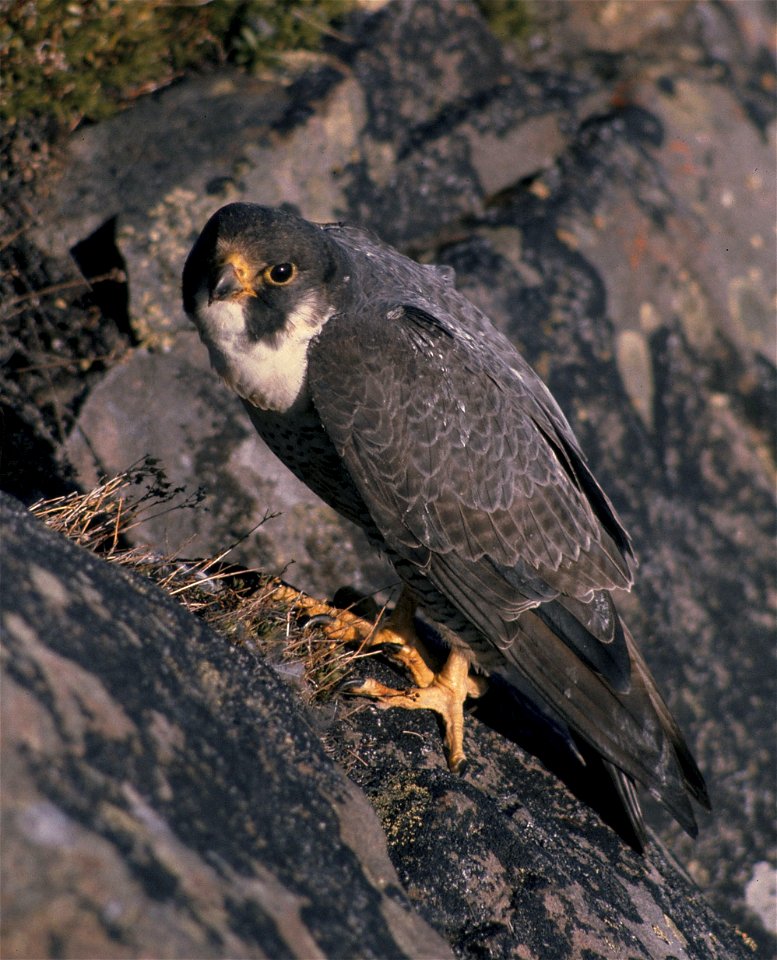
(243,605)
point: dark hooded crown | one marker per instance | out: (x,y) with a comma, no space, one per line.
(263,237)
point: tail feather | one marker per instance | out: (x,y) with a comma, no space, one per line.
(631,729)
(627,793)
(691,775)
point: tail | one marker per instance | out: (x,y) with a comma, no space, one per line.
(692,779)
(609,703)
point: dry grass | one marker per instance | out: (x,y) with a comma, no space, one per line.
(242,605)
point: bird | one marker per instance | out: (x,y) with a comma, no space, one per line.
(398,402)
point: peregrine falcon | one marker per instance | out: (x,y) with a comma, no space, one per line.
(397,401)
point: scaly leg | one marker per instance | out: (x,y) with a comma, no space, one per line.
(445,695)
(442,691)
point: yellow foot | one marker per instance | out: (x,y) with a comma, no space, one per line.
(341,626)
(443,691)
(395,634)
(445,695)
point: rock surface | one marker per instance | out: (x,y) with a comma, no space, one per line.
(607,195)
(163,793)
(169,798)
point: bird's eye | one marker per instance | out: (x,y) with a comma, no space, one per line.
(280,273)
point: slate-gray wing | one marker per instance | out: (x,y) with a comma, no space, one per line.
(450,443)
(472,475)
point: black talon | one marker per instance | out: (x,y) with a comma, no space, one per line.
(319,620)
(388,648)
(461,767)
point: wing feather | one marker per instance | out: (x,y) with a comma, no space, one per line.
(472,474)
(450,446)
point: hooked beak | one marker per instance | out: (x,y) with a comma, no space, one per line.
(232,281)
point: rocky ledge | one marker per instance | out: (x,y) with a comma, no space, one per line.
(605,191)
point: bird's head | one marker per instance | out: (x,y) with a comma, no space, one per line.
(259,284)
(262,265)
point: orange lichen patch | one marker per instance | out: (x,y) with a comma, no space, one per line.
(683,150)
(639,245)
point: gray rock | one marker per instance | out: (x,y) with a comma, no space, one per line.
(163,793)
(161,170)
(165,796)
(170,406)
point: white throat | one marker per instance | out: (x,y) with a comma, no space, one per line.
(270,373)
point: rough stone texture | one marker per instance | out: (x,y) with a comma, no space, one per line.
(163,793)
(165,796)
(504,862)
(606,193)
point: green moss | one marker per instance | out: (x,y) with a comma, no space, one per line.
(84,60)
(509,19)
(267,27)
(402,807)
